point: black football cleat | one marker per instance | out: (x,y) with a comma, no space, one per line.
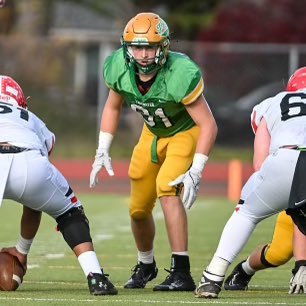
(142,273)
(176,281)
(99,284)
(208,289)
(238,279)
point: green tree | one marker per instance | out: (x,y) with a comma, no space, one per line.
(33,17)
(184,18)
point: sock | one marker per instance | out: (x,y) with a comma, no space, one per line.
(180,262)
(185,253)
(218,266)
(146,257)
(89,263)
(247,268)
(240,227)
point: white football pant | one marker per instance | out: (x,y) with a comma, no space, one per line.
(265,193)
(30,179)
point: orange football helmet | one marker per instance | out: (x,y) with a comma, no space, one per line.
(297,80)
(146,29)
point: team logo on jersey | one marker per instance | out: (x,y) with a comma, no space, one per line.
(145,104)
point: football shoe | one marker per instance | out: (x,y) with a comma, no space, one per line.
(208,288)
(142,273)
(238,279)
(99,284)
(176,281)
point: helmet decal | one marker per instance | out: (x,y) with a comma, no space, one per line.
(162,28)
(140,40)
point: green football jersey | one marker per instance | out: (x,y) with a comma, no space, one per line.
(178,83)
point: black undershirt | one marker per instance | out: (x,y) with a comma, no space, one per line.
(144,87)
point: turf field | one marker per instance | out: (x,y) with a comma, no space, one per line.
(55,278)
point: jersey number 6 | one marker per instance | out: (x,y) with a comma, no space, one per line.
(293,105)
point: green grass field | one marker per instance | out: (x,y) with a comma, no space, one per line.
(55,278)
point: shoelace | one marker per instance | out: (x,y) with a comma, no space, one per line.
(105,276)
(135,271)
(135,268)
(170,276)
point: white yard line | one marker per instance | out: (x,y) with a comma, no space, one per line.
(162,302)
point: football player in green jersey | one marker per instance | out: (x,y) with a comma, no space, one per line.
(166,89)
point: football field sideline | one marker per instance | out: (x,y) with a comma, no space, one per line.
(215,177)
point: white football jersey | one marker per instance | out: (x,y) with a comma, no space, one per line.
(22,128)
(285,116)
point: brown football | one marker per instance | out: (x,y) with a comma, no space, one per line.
(11,272)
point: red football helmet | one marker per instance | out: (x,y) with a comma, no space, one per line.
(11,92)
(297,80)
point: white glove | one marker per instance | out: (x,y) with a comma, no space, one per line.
(298,281)
(191,180)
(102,159)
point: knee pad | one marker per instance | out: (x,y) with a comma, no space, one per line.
(139,214)
(274,258)
(263,258)
(74,227)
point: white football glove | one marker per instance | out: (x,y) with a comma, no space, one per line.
(102,159)
(191,180)
(298,281)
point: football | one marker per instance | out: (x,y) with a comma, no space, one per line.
(11,272)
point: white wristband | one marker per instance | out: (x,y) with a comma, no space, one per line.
(105,140)
(23,245)
(199,161)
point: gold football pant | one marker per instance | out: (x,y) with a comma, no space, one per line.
(280,250)
(150,180)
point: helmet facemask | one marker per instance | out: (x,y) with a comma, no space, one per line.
(155,63)
(146,30)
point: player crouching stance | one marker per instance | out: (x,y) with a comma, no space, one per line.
(28,177)
(278,184)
